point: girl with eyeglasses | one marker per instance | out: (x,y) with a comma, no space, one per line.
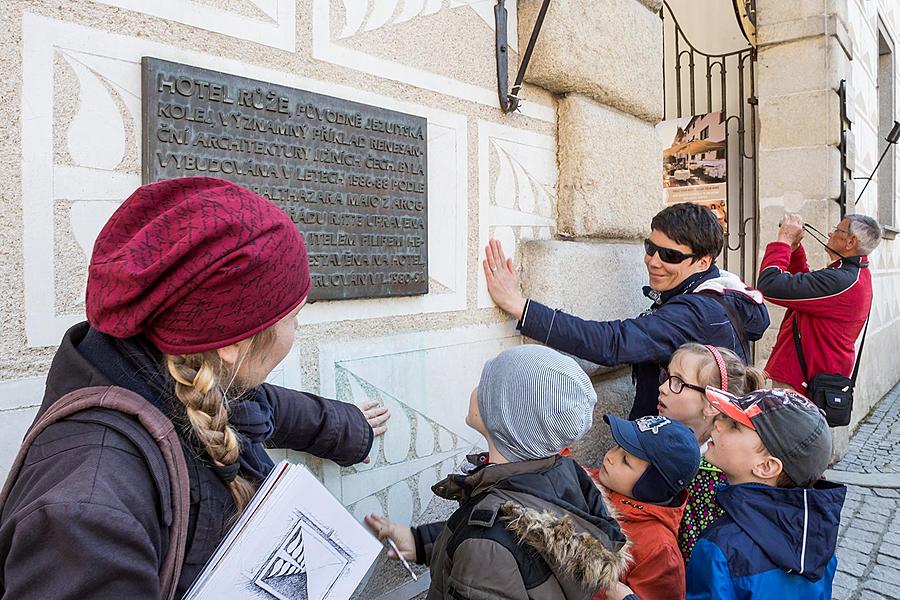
(682,397)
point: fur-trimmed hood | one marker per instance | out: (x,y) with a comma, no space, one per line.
(573,552)
(552,506)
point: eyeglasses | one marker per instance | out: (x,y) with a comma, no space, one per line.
(676,383)
(838,228)
(667,255)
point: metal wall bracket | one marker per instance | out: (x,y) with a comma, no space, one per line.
(509,100)
(847,148)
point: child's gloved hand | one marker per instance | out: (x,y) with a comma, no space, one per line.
(403,536)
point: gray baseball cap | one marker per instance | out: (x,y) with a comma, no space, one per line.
(791,428)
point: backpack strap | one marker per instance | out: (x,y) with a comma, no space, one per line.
(736,322)
(161,430)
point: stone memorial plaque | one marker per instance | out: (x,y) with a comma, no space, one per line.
(351,176)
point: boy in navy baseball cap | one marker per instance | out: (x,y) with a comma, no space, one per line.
(778,535)
(645,476)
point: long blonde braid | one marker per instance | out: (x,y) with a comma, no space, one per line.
(202,381)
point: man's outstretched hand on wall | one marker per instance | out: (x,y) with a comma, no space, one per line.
(502,280)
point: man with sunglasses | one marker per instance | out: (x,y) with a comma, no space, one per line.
(693,301)
(830,306)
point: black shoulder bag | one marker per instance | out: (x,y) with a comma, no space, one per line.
(832,392)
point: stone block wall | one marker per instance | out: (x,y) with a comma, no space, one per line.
(602,58)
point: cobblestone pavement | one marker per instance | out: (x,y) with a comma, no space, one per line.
(869,539)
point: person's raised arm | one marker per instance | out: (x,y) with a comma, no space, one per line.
(323,427)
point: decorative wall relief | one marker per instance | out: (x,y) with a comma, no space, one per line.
(81,145)
(517,176)
(425,380)
(409,40)
(268,22)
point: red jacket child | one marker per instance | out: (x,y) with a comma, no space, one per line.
(657,570)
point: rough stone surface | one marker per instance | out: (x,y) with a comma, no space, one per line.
(814,172)
(609,176)
(615,395)
(777,11)
(804,65)
(802,119)
(606,49)
(592,289)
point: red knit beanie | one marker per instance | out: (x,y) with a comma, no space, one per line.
(195,264)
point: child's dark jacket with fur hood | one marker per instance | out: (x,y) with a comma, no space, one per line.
(531,530)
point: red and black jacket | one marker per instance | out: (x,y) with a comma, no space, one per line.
(830,306)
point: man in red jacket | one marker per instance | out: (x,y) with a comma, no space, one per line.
(830,305)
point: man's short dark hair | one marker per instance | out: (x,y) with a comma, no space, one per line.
(692,225)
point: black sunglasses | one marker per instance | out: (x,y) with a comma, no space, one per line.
(667,255)
(676,383)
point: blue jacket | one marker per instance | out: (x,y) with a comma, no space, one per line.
(772,543)
(677,316)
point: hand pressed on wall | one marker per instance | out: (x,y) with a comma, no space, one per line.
(377,416)
(502,280)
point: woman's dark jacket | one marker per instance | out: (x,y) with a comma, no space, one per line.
(84,519)
(694,311)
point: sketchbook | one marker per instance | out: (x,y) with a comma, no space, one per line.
(294,541)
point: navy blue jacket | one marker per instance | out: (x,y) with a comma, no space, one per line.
(677,316)
(775,543)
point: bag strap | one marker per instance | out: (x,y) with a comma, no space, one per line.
(161,430)
(736,322)
(862,343)
(799,348)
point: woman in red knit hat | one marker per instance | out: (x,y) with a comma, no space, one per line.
(193,292)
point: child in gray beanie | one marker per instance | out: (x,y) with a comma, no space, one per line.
(533,402)
(531,524)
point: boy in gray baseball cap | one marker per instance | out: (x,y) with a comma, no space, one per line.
(531,524)
(778,534)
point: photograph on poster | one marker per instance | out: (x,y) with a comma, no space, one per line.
(694,161)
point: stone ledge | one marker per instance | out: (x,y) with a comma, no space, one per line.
(610,177)
(771,12)
(606,49)
(813,172)
(801,119)
(809,27)
(804,65)
(603,280)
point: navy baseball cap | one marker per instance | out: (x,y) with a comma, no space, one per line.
(669,446)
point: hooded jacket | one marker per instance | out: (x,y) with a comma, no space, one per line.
(84,518)
(830,306)
(657,569)
(686,313)
(772,543)
(531,530)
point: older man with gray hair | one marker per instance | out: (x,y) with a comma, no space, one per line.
(827,308)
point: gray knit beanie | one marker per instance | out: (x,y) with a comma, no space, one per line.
(534,402)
